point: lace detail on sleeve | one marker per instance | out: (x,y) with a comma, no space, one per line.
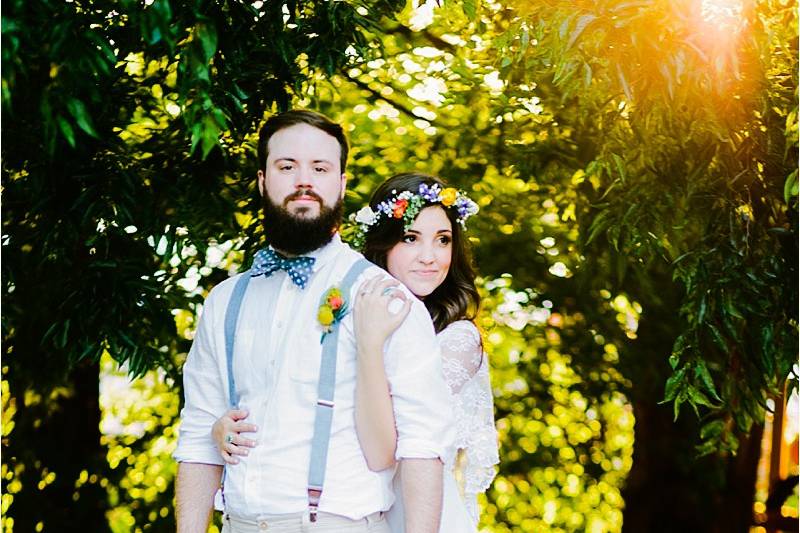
(466,370)
(461,353)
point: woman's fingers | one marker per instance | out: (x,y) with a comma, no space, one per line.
(228,458)
(395,319)
(237,414)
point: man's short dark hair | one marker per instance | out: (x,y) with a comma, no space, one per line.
(293,117)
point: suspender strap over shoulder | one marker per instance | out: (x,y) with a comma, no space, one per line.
(231,319)
(326,387)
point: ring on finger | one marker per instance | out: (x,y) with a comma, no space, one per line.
(229,438)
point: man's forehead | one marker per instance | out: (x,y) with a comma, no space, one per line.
(303,141)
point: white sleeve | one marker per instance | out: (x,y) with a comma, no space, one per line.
(461,354)
(467,373)
(422,406)
(204,391)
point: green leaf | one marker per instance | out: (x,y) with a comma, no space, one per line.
(717,337)
(674,384)
(701,310)
(81,115)
(470,8)
(790,188)
(583,21)
(712,429)
(599,224)
(624,82)
(620,164)
(524,41)
(207,33)
(676,407)
(704,376)
(66,129)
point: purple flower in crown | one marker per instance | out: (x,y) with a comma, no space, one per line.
(384,208)
(430,194)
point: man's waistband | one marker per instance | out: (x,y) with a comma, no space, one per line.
(268,520)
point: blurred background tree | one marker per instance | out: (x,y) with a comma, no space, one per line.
(636,168)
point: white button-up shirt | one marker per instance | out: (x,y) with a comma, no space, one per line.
(276,366)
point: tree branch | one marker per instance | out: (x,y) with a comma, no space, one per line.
(378,96)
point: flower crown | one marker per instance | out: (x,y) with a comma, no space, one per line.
(407,206)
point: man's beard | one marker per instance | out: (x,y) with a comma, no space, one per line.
(295,235)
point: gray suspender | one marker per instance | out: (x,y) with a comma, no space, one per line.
(326,386)
(325,391)
(231,318)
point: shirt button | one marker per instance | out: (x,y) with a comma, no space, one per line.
(262,524)
(279,324)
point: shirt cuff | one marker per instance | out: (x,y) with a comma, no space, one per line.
(418,449)
(198,455)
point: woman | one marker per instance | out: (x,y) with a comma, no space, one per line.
(413,228)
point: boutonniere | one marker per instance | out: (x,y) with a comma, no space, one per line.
(332,309)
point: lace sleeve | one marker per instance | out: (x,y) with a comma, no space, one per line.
(461,353)
(466,371)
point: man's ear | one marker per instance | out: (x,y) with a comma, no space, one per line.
(262,182)
(344,185)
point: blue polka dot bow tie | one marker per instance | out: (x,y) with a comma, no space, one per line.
(268,261)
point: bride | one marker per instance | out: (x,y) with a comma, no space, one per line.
(414,229)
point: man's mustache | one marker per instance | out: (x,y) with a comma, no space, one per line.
(300,194)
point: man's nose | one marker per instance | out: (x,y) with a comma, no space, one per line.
(302,178)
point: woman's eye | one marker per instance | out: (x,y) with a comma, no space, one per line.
(409,238)
(445,240)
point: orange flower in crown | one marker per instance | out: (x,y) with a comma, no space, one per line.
(399,208)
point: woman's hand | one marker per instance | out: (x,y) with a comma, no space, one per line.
(226,433)
(372,320)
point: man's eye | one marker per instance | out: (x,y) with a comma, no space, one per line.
(285,167)
(320,169)
(409,238)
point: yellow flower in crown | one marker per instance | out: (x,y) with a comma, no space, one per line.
(449,196)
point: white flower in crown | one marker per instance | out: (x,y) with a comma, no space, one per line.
(366,216)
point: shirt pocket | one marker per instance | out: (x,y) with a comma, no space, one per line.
(304,353)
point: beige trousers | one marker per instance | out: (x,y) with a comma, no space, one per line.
(299,523)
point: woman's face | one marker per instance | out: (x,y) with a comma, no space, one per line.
(422,259)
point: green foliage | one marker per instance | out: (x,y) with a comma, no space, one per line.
(123,159)
(638,190)
(687,121)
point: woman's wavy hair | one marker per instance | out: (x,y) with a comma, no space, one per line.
(457,297)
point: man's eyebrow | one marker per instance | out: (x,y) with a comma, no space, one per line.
(293,160)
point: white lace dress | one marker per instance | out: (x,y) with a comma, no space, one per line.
(472,469)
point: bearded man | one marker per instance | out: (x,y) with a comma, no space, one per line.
(264,343)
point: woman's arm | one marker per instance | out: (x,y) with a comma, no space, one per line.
(373,324)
